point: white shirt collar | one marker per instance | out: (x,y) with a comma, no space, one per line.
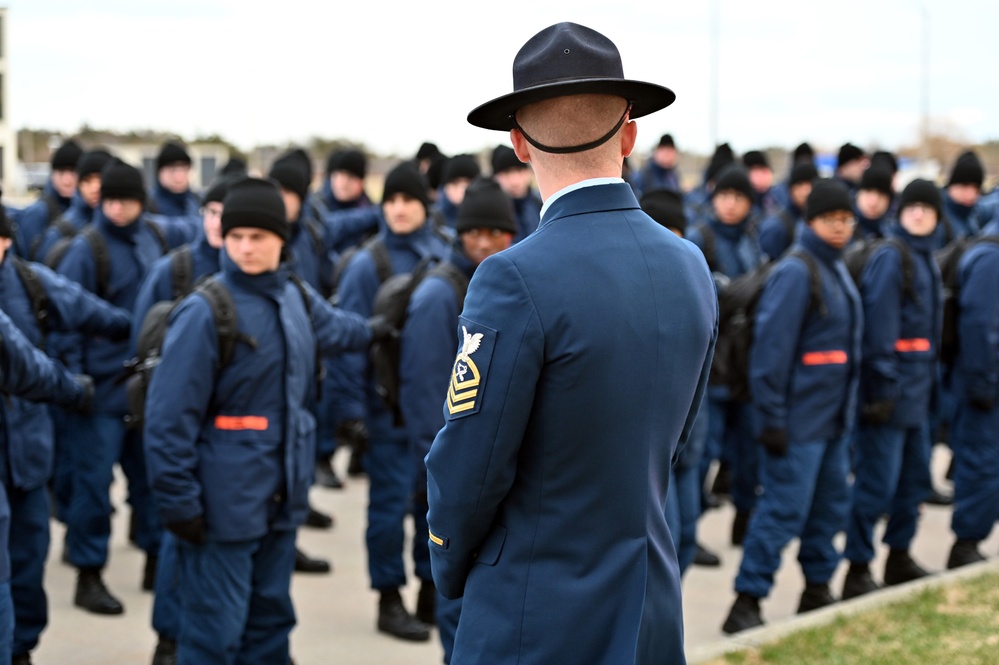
(578,185)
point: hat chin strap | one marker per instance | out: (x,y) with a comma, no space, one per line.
(583,147)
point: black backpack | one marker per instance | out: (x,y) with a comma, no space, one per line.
(149,344)
(99,249)
(737,302)
(858,254)
(948,259)
(392,302)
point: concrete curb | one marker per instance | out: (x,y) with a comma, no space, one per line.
(773,632)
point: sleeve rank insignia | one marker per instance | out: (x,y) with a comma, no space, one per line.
(463,395)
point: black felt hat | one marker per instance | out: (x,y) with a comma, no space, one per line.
(568,59)
(666,207)
(254,203)
(485,205)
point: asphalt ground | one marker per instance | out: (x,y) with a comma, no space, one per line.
(336,612)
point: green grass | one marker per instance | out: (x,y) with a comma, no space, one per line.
(955,625)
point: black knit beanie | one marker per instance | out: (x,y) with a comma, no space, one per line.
(254,203)
(218,189)
(235,167)
(485,205)
(172,153)
(803,172)
(428,150)
(66,156)
(435,170)
(734,177)
(968,170)
(755,158)
(351,161)
(878,178)
(666,141)
(121,181)
(289,174)
(827,195)
(92,162)
(847,153)
(803,153)
(406,179)
(722,157)
(504,158)
(921,191)
(460,166)
(666,207)
(885,160)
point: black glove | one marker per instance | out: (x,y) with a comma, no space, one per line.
(878,412)
(354,434)
(983,403)
(774,440)
(86,383)
(382,329)
(192,530)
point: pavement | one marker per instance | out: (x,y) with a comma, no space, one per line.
(336,613)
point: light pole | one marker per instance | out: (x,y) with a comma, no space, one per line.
(713,74)
(924,130)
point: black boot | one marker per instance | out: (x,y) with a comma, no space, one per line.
(858,581)
(318,519)
(722,485)
(166,652)
(306,564)
(705,557)
(964,552)
(149,572)
(394,620)
(900,568)
(739,526)
(938,498)
(93,596)
(745,614)
(21,659)
(355,467)
(326,476)
(814,597)
(426,603)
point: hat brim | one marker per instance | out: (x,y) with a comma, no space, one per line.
(498,114)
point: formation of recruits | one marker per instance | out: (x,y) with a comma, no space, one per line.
(847,390)
(844,381)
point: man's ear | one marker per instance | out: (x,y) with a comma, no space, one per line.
(629,134)
(520,145)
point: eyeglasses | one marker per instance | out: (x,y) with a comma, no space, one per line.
(834,220)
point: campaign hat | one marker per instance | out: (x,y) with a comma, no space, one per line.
(568,59)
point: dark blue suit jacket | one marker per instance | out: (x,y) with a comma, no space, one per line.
(584,354)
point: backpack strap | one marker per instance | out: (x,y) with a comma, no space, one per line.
(102,261)
(226,322)
(908,268)
(320,370)
(379,254)
(710,246)
(52,207)
(181,271)
(790,224)
(315,234)
(36,293)
(456,277)
(816,301)
(158,232)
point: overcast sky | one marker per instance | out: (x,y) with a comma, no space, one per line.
(394,74)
